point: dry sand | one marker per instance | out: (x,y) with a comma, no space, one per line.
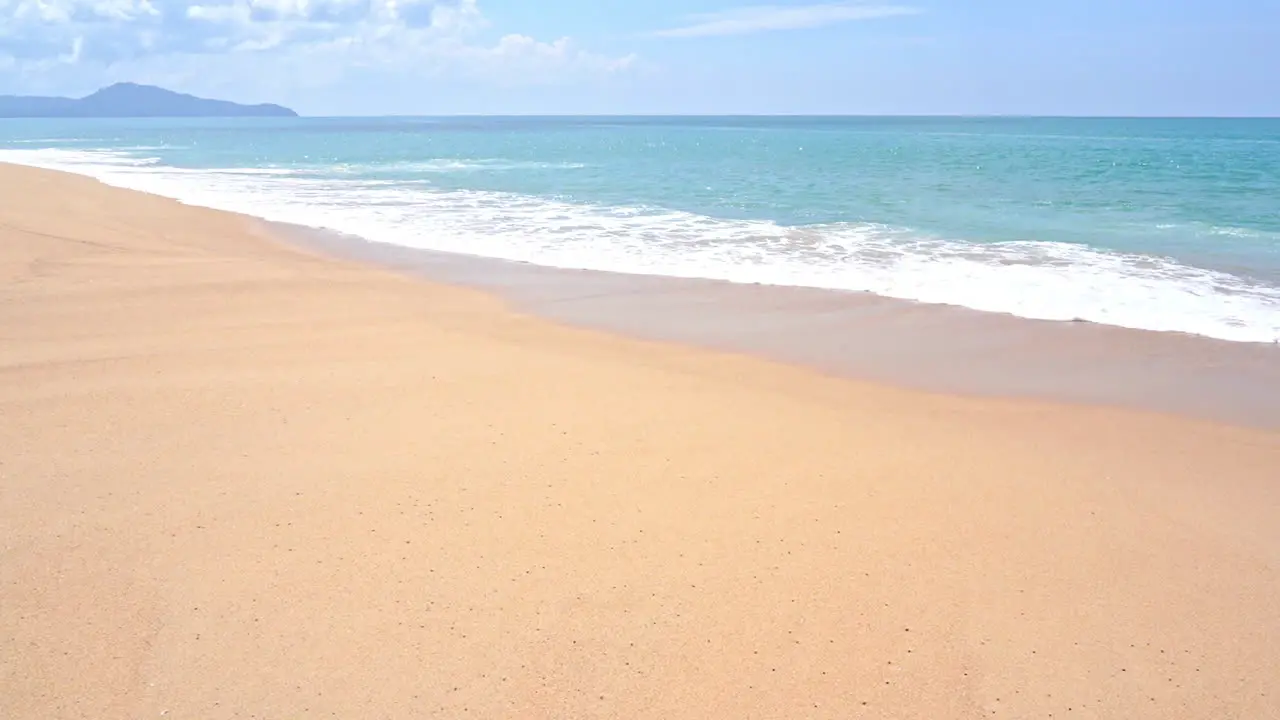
(239,480)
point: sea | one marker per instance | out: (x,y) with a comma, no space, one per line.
(1156,224)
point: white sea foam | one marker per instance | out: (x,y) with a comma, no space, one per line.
(1238,232)
(45,141)
(1045,280)
(282,172)
(87,162)
(457,165)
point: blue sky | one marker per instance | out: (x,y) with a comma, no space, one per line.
(1086,57)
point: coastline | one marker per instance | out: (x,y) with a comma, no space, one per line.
(245,479)
(936,348)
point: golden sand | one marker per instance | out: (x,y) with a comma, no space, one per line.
(238,480)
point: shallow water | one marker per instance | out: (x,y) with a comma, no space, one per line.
(1156,224)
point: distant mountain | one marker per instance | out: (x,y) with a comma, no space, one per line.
(132,100)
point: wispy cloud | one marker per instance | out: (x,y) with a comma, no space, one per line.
(765,18)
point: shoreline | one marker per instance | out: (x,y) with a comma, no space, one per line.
(1218,290)
(241,478)
(861,336)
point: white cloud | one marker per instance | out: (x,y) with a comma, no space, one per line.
(463,17)
(540,62)
(123,9)
(239,12)
(239,42)
(64,11)
(765,18)
(73,57)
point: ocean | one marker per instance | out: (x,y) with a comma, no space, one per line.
(1157,224)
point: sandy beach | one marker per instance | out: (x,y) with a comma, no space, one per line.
(239,479)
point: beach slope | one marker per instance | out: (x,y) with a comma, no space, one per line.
(241,480)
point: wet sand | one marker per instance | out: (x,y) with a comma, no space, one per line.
(868,337)
(239,479)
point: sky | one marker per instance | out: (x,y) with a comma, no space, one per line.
(879,57)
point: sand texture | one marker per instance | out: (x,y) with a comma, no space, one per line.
(238,480)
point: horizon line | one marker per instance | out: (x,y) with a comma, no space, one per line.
(799,115)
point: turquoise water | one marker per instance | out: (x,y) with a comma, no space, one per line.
(1163,224)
